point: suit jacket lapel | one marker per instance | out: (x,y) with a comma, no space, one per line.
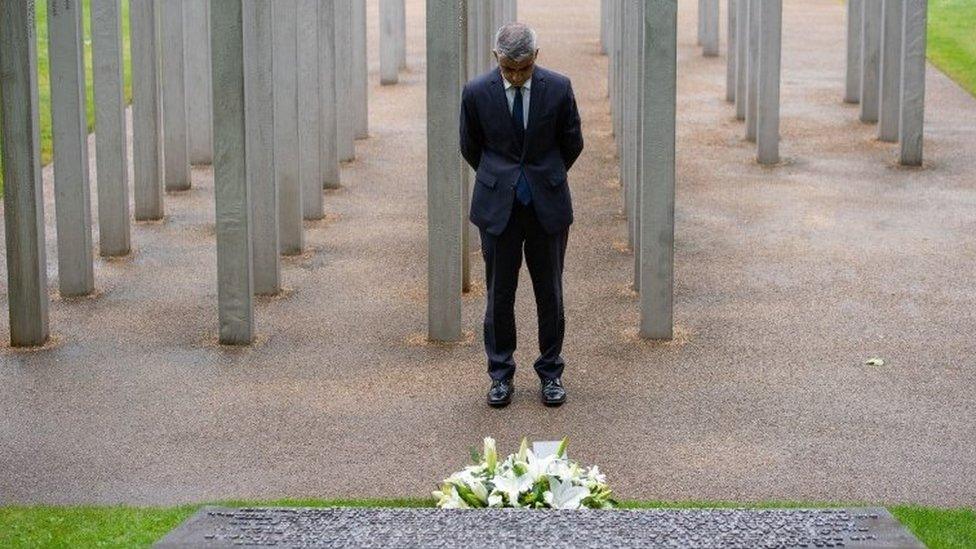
(537,100)
(500,101)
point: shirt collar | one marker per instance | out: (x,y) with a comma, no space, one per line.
(527,86)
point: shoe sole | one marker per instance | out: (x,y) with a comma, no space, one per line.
(502,403)
(553,403)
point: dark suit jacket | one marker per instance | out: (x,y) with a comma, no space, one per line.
(553,142)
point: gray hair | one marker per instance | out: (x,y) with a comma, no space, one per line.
(516,41)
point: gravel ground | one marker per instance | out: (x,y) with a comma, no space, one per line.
(787,280)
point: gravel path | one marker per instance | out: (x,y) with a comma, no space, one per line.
(787,280)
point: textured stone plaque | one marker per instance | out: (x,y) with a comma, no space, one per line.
(428,527)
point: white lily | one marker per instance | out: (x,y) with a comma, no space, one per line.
(537,466)
(453,501)
(463,477)
(512,486)
(479,489)
(496,482)
(564,469)
(563,495)
(491,455)
(595,475)
(523,450)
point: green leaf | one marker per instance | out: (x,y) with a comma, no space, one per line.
(468,496)
(539,489)
(561,449)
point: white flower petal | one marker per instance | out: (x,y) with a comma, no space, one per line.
(565,495)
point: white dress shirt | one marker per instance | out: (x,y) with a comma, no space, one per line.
(510,94)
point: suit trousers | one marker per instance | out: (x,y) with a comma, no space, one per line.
(544,255)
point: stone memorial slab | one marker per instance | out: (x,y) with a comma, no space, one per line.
(429,527)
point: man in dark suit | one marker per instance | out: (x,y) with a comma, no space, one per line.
(520,131)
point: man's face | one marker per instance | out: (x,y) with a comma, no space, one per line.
(516,72)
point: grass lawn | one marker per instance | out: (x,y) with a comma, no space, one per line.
(44,76)
(47,526)
(952,40)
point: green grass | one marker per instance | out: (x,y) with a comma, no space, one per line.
(44,76)
(952,40)
(939,527)
(87,526)
(93,526)
(117,526)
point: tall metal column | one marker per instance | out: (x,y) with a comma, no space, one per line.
(870,60)
(291,232)
(309,123)
(329,155)
(231,191)
(196,38)
(852,86)
(345,105)
(258,40)
(23,195)
(445,46)
(893,13)
(659,56)
(176,167)
(69,124)
(111,155)
(730,54)
(389,41)
(770,52)
(741,57)
(147,145)
(360,70)
(912,122)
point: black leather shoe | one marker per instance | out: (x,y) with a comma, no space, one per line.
(553,393)
(500,393)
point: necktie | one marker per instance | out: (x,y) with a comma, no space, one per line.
(522,191)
